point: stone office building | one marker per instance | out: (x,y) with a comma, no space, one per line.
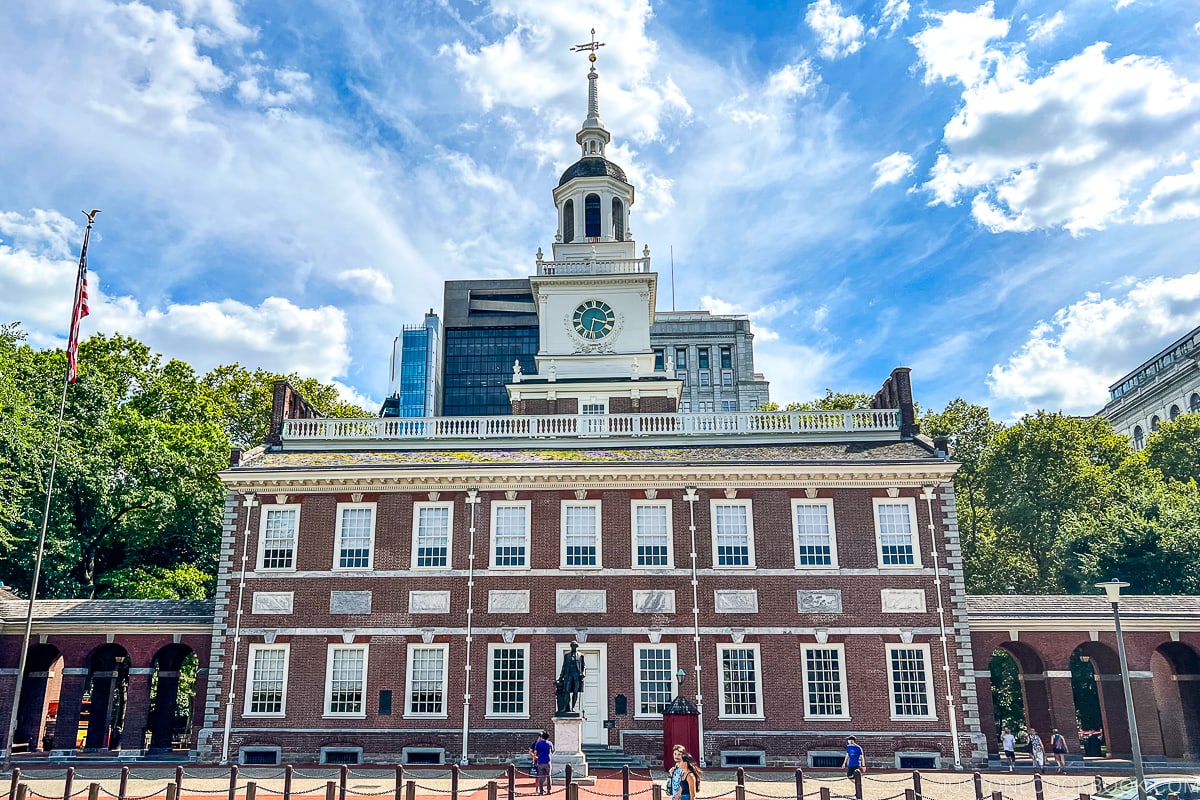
(404,589)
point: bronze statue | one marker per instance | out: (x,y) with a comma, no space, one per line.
(570,681)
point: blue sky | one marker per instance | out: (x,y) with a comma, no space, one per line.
(1003,196)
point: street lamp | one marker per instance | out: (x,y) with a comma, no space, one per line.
(680,677)
(1113,590)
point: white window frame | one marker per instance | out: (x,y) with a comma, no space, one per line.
(891,680)
(337,537)
(495,506)
(416,529)
(724,712)
(491,680)
(331,649)
(712,513)
(255,649)
(262,536)
(562,538)
(637,676)
(911,502)
(408,682)
(842,687)
(633,533)
(797,503)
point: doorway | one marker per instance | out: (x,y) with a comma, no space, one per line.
(594,703)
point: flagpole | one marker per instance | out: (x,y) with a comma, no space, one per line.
(41,548)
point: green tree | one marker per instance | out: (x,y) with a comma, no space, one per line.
(1041,475)
(243,400)
(834,401)
(971,430)
(1174,449)
(181,582)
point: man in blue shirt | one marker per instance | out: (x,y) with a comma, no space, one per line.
(540,753)
(853,762)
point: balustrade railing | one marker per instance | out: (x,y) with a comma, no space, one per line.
(598,267)
(593,425)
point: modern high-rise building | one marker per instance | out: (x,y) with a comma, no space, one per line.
(713,354)
(416,378)
(1159,390)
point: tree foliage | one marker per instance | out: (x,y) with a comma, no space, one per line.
(1174,449)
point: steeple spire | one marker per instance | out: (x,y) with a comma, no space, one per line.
(593,136)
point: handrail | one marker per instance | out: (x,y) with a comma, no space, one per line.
(593,425)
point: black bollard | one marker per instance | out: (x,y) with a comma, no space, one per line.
(917,790)
(510,772)
(625,782)
(287,782)
(67,781)
(454,770)
(178,782)
(343,777)
(858,784)
(233,773)
(1037,786)
(251,790)
(123,789)
(978,786)
(12,786)
(799,784)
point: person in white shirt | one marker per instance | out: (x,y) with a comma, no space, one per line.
(1008,743)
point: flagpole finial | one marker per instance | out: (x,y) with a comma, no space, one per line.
(91,215)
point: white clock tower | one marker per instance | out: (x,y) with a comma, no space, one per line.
(595,299)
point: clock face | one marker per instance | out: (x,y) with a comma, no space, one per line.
(593,319)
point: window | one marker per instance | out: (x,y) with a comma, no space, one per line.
(569,221)
(728,406)
(733,533)
(267,680)
(1154,423)
(277,537)
(680,358)
(1139,437)
(727,377)
(703,357)
(1174,413)
(908,665)
(741,691)
(895,532)
(426,680)
(346,681)
(726,357)
(581,533)
(655,684)
(705,380)
(355,536)
(652,533)
(682,376)
(825,682)
(508,686)
(706,406)
(1194,403)
(431,535)
(510,535)
(816,545)
(660,357)
(685,406)
(618,220)
(591,216)
(593,408)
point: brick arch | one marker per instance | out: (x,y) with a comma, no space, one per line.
(1175,670)
(40,691)
(107,689)
(1034,692)
(1106,666)
(162,705)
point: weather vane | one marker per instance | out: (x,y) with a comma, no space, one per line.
(591,46)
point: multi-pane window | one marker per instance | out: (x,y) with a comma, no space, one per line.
(660,358)
(825,681)
(726,357)
(581,533)
(702,353)
(680,358)
(733,533)
(706,406)
(431,534)
(655,678)
(704,378)
(277,537)
(727,377)
(652,533)
(728,406)
(682,376)
(815,545)
(267,679)
(685,406)
(908,666)
(346,680)
(895,528)
(510,534)
(355,533)
(507,689)
(426,680)
(741,688)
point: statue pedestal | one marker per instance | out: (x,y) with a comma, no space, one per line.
(568,741)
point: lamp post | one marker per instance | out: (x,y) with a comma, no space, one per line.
(680,677)
(1113,590)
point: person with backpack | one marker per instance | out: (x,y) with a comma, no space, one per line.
(1058,746)
(540,753)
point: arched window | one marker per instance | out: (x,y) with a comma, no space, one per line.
(569,221)
(618,214)
(1154,423)
(591,216)
(1174,413)
(1194,404)
(1139,438)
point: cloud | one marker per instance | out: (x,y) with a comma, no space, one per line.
(1173,197)
(894,13)
(369,283)
(37,288)
(797,372)
(1046,27)
(1075,148)
(893,169)
(839,35)
(291,86)
(1068,362)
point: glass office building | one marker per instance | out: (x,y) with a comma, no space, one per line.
(478,364)
(416,371)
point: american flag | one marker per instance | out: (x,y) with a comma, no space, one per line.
(79,312)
